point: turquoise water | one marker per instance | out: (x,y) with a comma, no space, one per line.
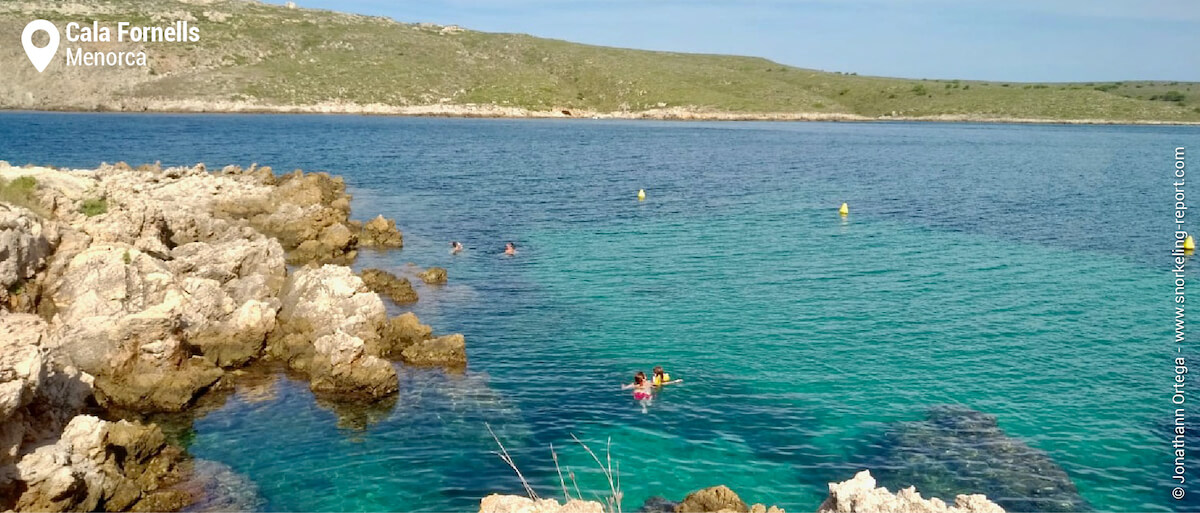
(1018,271)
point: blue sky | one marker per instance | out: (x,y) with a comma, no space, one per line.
(1017,40)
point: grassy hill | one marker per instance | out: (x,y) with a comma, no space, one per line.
(266,56)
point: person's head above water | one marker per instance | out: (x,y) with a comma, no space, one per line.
(639,378)
(658,370)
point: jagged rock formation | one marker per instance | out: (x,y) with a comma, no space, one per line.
(149,298)
(381,232)
(448,350)
(860,495)
(399,290)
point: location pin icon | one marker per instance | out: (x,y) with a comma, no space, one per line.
(40,57)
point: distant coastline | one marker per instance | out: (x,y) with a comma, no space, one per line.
(505,112)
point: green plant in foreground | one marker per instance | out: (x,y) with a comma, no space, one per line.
(20,192)
(94,207)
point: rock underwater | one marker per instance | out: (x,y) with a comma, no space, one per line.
(957,449)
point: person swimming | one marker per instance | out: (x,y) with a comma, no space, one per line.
(662,378)
(643,391)
(456,247)
(510,249)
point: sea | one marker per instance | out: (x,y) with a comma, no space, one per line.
(994,315)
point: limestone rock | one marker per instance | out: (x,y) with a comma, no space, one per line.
(381,232)
(433,276)
(859,495)
(714,499)
(95,464)
(341,367)
(448,350)
(331,298)
(497,503)
(399,290)
(399,334)
(25,245)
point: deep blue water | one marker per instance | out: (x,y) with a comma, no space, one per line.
(1017,270)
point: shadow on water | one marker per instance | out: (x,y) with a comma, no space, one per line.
(957,450)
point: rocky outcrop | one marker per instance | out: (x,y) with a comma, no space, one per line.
(860,495)
(155,293)
(399,290)
(122,316)
(328,318)
(308,213)
(382,233)
(399,334)
(342,368)
(719,499)
(320,301)
(497,503)
(433,276)
(447,350)
(98,465)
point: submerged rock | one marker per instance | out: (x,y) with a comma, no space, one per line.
(433,276)
(215,487)
(957,449)
(399,290)
(859,495)
(447,350)
(497,503)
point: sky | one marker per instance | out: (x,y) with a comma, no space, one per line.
(996,40)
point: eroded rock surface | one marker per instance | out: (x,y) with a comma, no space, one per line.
(399,290)
(860,495)
(433,276)
(447,350)
(497,503)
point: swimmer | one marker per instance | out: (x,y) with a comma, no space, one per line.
(662,378)
(642,390)
(510,249)
(456,248)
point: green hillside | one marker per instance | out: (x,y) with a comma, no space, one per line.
(268,55)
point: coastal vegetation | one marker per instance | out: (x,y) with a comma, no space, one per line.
(255,56)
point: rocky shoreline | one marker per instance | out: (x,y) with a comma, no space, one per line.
(128,292)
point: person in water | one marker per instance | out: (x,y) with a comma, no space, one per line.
(456,247)
(510,249)
(662,378)
(643,391)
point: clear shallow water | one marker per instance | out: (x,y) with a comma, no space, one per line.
(1014,270)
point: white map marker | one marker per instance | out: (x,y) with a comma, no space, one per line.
(40,57)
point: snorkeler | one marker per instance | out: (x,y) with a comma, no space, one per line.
(642,390)
(456,247)
(662,378)
(510,249)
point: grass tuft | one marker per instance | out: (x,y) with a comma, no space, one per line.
(94,207)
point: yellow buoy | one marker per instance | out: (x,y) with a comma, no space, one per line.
(1189,244)
(845,210)
(641,194)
